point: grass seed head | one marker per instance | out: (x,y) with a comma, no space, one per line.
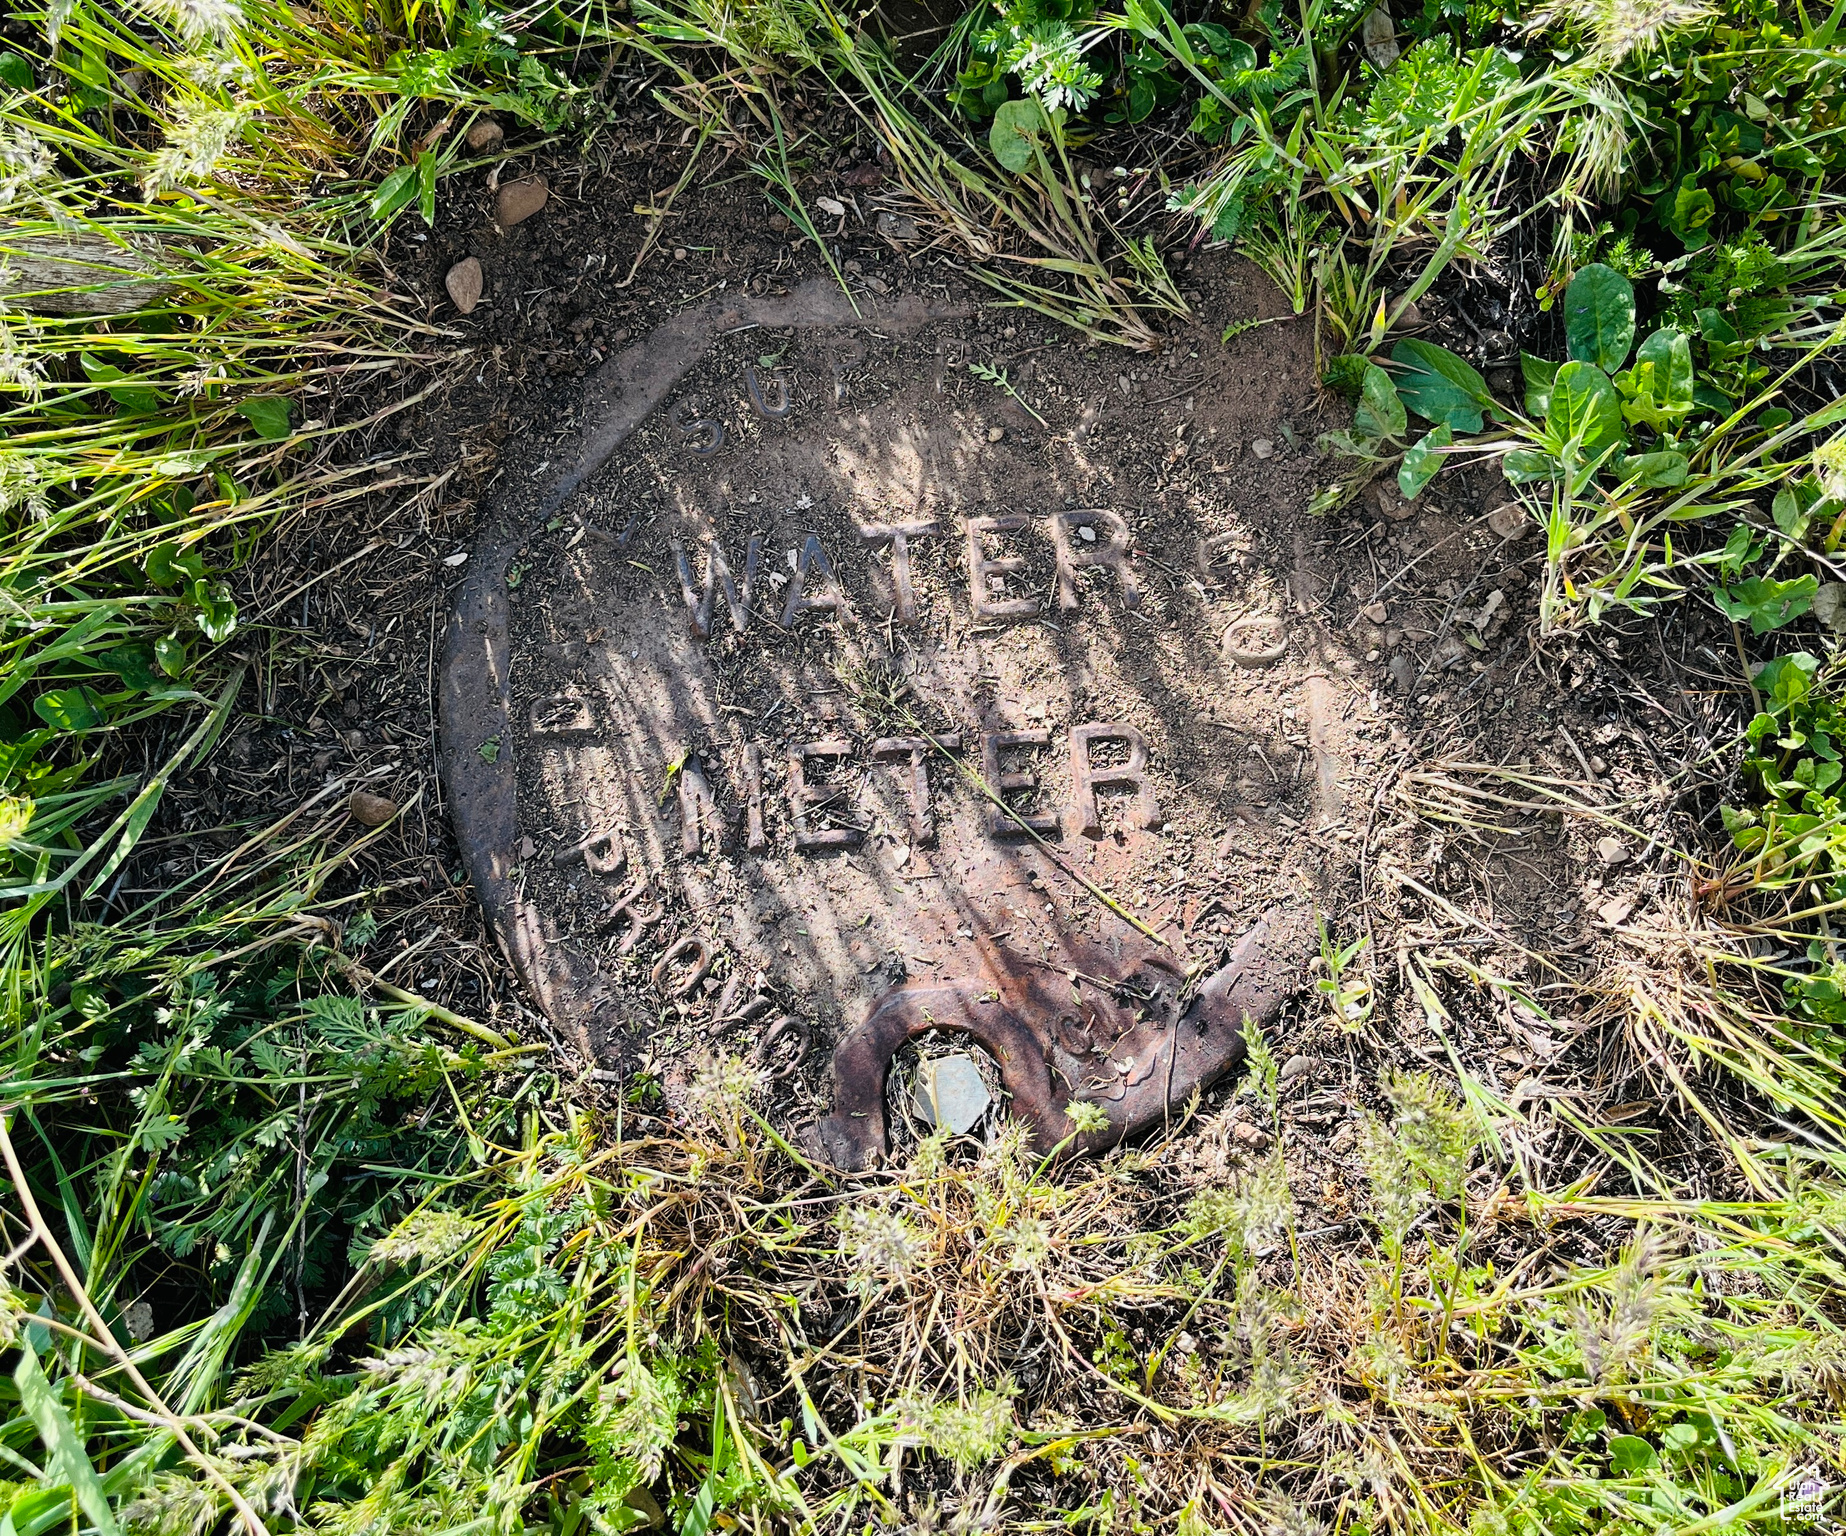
(197,138)
(969,1433)
(1434,1132)
(1283,1516)
(24,162)
(19,368)
(1615,1331)
(199,20)
(1622,27)
(1028,1242)
(426,1237)
(879,1245)
(22,484)
(931,1155)
(1398,1194)
(721,1088)
(1257,1208)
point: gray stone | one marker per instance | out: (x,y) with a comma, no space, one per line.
(950,1092)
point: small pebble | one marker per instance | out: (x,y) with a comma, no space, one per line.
(994,434)
(1262,448)
(1377,613)
(1599,767)
(1508,521)
(778,224)
(1252,1138)
(370,810)
(518,200)
(679,253)
(465,283)
(484,134)
(1612,850)
(1087,534)
(1294,1067)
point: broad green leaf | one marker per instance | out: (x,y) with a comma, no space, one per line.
(1380,412)
(70,709)
(1653,470)
(170,652)
(1692,209)
(168,565)
(123,388)
(1014,134)
(1526,466)
(1599,317)
(1716,330)
(1346,373)
(1538,374)
(1629,1454)
(1439,386)
(67,1461)
(1767,603)
(426,186)
(1784,681)
(1585,408)
(217,610)
(1421,461)
(267,413)
(1669,355)
(15,72)
(134,663)
(1790,516)
(394,191)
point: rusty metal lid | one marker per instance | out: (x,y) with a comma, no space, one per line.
(794,701)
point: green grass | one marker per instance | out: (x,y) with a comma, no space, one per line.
(289,1250)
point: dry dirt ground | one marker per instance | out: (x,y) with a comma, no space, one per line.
(1324,779)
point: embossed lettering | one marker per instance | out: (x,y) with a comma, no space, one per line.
(559,714)
(813,558)
(640,916)
(982,569)
(602,852)
(891,748)
(1110,549)
(697,807)
(804,801)
(718,575)
(993,743)
(1087,777)
(693,947)
(754,838)
(898,536)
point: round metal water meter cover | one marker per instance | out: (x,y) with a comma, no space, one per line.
(797,698)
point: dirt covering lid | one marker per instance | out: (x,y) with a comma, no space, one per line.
(816,689)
